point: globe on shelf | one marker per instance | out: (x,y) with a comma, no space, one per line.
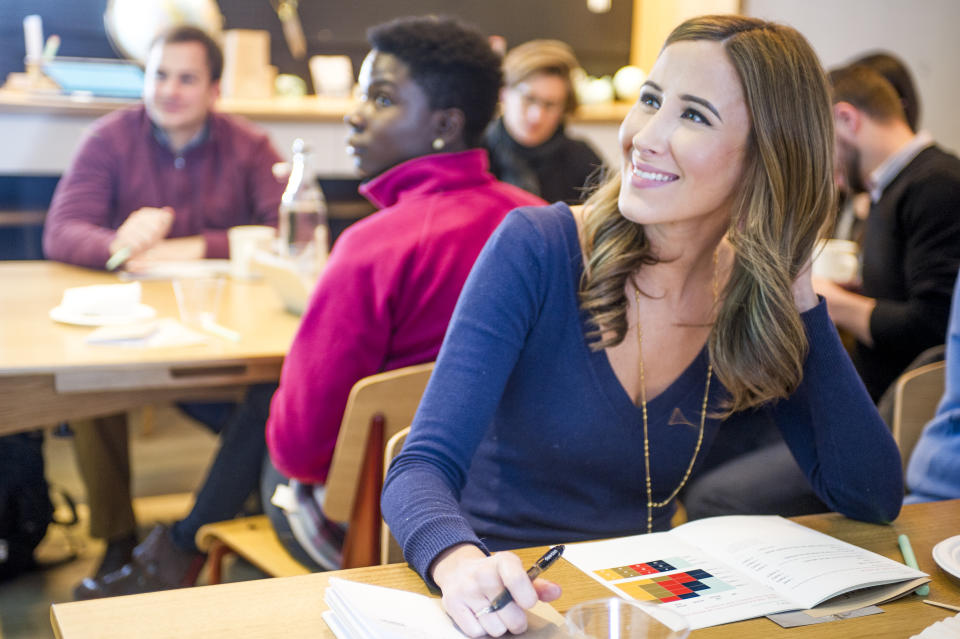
(627,82)
(592,90)
(133,24)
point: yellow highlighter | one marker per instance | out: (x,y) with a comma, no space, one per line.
(908,558)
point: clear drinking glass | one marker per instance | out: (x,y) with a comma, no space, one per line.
(198,299)
(616,618)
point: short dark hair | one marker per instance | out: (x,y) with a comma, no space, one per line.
(452,62)
(898,75)
(186,33)
(868,91)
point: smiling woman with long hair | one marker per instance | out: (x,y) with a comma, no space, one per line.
(597,354)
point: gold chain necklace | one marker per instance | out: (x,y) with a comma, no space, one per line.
(643,406)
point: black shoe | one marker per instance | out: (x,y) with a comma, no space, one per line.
(158,564)
(119,553)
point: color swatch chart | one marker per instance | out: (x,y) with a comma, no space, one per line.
(687,584)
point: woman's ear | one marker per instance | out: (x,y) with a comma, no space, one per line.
(448,125)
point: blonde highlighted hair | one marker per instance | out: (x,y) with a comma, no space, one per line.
(786,195)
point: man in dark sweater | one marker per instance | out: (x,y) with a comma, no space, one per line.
(528,145)
(911,245)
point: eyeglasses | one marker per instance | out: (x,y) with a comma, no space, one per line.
(528,100)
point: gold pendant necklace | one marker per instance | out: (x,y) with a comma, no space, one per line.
(643,407)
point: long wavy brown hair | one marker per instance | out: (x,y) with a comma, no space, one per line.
(786,195)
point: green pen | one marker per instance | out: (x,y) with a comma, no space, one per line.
(118,258)
(908,558)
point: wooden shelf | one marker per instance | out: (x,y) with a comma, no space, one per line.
(16,217)
(309,108)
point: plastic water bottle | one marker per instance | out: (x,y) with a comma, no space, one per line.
(303,233)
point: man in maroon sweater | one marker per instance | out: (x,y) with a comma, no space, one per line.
(168,178)
(165,181)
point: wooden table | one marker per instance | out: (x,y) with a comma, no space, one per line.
(291,606)
(49,374)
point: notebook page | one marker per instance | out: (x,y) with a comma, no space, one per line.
(801,564)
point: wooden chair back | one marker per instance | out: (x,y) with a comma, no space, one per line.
(378,407)
(390,551)
(916,395)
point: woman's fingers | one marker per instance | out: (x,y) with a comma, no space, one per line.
(470,584)
(463,615)
(547,590)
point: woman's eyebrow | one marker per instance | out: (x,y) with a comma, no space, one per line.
(706,103)
(381,82)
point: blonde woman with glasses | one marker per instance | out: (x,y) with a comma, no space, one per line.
(528,144)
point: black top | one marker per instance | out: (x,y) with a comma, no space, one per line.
(911,252)
(558,169)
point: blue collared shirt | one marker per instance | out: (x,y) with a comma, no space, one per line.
(883,175)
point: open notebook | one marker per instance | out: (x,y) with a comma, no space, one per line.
(724,569)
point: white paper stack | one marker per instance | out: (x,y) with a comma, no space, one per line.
(363,611)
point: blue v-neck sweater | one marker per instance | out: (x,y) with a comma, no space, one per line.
(525,436)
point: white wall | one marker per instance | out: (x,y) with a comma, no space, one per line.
(924,33)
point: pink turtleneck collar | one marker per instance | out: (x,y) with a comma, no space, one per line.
(428,174)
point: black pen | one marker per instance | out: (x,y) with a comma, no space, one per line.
(538,567)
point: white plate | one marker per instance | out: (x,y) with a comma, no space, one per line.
(68,316)
(947,555)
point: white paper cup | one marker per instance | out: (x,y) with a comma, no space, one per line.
(198,299)
(836,260)
(244,242)
(616,618)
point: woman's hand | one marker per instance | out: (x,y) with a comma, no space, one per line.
(470,580)
(803,294)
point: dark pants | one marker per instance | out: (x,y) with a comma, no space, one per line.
(235,471)
(767,481)
(750,472)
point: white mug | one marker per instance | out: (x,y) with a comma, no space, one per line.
(836,260)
